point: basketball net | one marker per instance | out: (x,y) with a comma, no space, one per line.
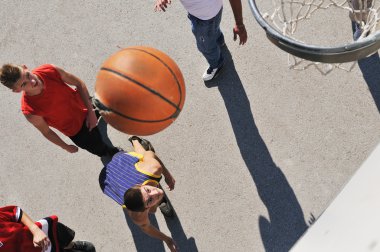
(288,14)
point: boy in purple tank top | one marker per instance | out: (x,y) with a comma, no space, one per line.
(132,180)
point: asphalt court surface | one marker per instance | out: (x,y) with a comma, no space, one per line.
(257,154)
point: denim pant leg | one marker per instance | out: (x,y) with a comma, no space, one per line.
(356,30)
(209,38)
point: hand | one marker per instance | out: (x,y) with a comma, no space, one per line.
(239,30)
(161,5)
(40,240)
(171,244)
(71,148)
(91,120)
(170,181)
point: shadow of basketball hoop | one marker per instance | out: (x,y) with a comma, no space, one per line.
(286,221)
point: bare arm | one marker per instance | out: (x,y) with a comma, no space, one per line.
(39,237)
(169,179)
(154,164)
(149,164)
(239,29)
(40,123)
(150,230)
(71,79)
(161,5)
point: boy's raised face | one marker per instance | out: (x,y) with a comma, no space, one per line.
(28,81)
(151,195)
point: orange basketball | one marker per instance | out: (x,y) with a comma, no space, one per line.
(139,90)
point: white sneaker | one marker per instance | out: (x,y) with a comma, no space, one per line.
(211,73)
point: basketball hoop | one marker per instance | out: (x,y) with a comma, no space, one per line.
(291,21)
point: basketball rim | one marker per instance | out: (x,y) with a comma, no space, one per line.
(352,51)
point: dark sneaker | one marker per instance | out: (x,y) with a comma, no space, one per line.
(211,73)
(83,246)
(147,145)
(144,143)
(166,207)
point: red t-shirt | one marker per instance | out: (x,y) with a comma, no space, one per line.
(15,237)
(60,105)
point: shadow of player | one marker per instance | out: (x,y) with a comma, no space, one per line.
(145,243)
(286,222)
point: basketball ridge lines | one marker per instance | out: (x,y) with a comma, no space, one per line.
(170,70)
(101,106)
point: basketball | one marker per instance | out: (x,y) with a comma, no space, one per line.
(139,91)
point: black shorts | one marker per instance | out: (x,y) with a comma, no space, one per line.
(92,141)
(65,235)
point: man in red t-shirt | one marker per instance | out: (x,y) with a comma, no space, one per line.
(19,233)
(48,101)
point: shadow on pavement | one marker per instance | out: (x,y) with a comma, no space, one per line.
(143,242)
(370,67)
(286,221)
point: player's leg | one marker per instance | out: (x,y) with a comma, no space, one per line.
(65,236)
(92,142)
(209,38)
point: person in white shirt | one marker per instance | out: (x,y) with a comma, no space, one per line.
(205,17)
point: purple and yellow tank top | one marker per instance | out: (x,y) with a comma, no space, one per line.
(123,173)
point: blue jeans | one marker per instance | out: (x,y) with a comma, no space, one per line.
(209,38)
(355,30)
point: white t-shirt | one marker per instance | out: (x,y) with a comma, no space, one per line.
(203,9)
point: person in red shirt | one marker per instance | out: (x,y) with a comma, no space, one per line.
(20,233)
(48,101)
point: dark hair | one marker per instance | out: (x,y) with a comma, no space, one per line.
(9,75)
(133,199)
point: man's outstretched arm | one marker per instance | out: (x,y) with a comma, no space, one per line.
(71,79)
(151,159)
(39,237)
(239,28)
(40,123)
(150,230)
(169,179)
